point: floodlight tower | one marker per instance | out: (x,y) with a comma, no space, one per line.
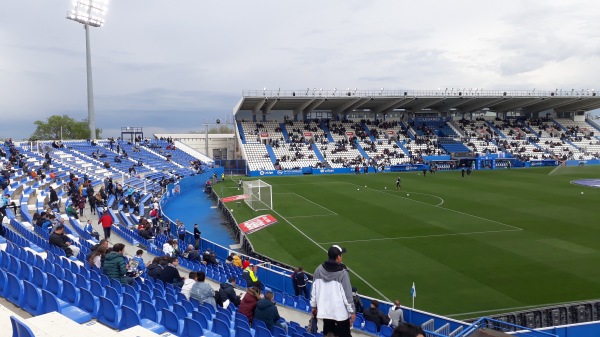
(89,13)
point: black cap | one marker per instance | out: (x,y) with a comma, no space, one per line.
(335,250)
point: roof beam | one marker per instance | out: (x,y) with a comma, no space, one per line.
(477,105)
(549,104)
(349,106)
(301,107)
(427,102)
(313,105)
(515,103)
(258,106)
(385,107)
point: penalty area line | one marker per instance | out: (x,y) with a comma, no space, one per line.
(323,249)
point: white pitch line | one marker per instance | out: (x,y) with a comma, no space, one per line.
(309,216)
(422,236)
(323,249)
(312,202)
(448,209)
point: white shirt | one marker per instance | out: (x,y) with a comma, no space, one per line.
(187,287)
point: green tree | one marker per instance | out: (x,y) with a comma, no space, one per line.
(221,129)
(70,128)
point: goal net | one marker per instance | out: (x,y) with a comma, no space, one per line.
(260,196)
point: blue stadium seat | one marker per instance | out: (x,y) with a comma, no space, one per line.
(171,322)
(262,331)
(33,303)
(109,313)
(51,303)
(130,318)
(221,328)
(88,302)
(385,331)
(20,329)
(15,290)
(370,327)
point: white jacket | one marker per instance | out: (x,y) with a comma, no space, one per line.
(332,292)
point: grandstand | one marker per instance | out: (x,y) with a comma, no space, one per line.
(292,135)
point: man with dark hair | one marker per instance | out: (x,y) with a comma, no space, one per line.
(197,236)
(188,284)
(106,220)
(154,268)
(375,315)
(408,330)
(226,292)
(59,239)
(267,312)
(170,274)
(115,266)
(331,296)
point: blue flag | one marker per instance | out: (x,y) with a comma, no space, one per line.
(413,291)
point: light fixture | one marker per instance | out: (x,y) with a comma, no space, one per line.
(89,13)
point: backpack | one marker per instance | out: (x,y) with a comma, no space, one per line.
(218,298)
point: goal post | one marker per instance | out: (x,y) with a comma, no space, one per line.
(260,195)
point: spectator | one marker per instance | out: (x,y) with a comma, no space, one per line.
(81,204)
(96,258)
(267,312)
(170,274)
(396,314)
(196,236)
(106,220)
(301,282)
(53,201)
(180,230)
(331,296)
(227,292)
(237,261)
(408,330)
(71,211)
(192,254)
(60,240)
(141,265)
(90,230)
(248,303)
(115,266)
(358,306)
(168,248)
(188,284)
(375,315)
(249,275)
(210,257)
(154,268)
(202,291)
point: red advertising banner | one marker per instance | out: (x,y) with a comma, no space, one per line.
(257,223)
(234,198)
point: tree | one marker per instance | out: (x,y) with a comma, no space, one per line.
(221,129)
(71,129)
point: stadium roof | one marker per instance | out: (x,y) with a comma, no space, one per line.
(382,101)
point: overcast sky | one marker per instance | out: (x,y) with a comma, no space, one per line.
(170,66)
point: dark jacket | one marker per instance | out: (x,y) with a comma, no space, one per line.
(154,270)
(266,311)
(247,306)
(194,255)
(57,240)
(226,292)
(114,267)
(53,196)
(171,275)
(376,316)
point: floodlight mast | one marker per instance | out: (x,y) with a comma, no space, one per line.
(89,13)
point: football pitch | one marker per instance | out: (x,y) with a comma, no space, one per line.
(491,242)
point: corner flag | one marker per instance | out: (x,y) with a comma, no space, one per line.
(413,294)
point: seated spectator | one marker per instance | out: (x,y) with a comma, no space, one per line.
(237,261)
(375,315)
(188,284)
(96,258)
(210,257)
(117,159)
(227,293)
(168,248)
(408,330)
(396,314)
(154,268)
(141,265)
(59,239)
(192,254)
(267,312)
(115,266)
(71,211)
(249,275)
(170,274)
(248,303)
(202,291)
(90,230)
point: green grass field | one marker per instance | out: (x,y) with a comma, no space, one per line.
(492,242)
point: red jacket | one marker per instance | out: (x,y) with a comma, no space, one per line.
(106,220)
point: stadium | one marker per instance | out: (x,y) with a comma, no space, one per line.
(482,202)
(496,197)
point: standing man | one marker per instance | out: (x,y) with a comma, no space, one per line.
(106,220)
(398,182)
(197,236)
(331,296)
